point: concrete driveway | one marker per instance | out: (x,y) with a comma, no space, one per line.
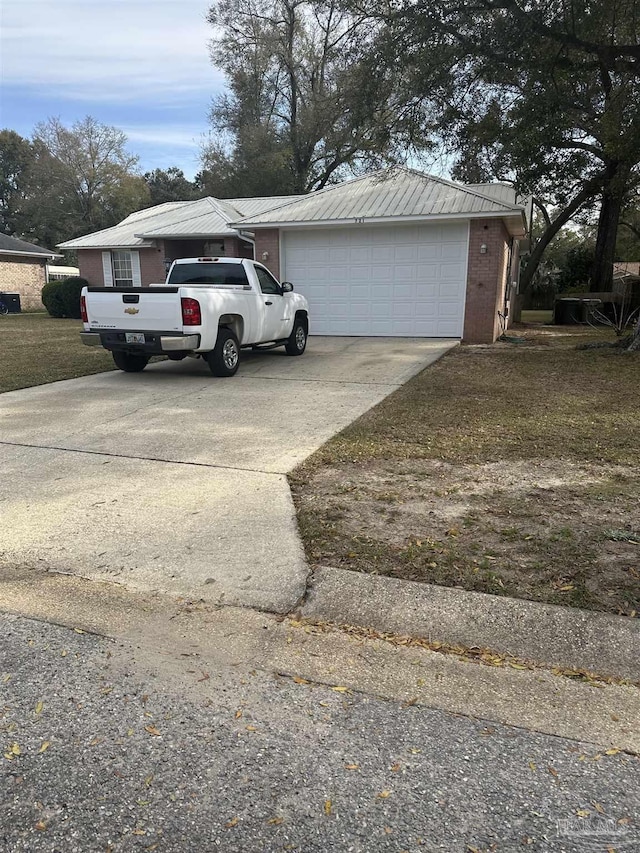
(174,480)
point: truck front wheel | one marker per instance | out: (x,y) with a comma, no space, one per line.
(297,342)
(130,363)
(224,358)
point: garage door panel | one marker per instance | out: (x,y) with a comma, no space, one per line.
(452,271)
(406,280)
(360,291)
(382,254)
(382,272)
(338,255)
(404,291)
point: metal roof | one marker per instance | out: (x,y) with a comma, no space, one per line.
(388,194)
(205,217)
(202,218)
(498,191)
(13,246)
(254,206)
(158,221)
(391,194)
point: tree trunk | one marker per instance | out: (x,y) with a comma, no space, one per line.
(612,203)
(588,191)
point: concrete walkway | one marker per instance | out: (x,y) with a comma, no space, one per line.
(173,480)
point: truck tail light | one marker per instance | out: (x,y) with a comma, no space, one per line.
(83,309)
(190,312)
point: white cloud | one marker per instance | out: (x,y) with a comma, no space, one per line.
(118,50)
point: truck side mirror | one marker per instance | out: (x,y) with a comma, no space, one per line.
(287,287)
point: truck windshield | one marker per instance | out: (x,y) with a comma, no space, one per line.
(208,273)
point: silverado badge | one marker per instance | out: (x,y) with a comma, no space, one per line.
(131,310)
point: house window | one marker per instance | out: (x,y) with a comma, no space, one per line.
(122,269)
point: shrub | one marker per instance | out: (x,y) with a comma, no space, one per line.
(62,298)
(51,299)
(70,290)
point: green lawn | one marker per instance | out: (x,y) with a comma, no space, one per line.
(36,349)
(505,469)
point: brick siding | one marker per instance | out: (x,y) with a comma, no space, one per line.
(268,240)
(26,276)
(486,280)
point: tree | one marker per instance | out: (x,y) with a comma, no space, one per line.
(540,92)
(84,176)
(16,163)
(169,185)
(300,107)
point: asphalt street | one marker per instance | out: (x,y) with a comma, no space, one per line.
(107,747)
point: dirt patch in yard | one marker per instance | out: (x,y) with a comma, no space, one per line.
(503,470)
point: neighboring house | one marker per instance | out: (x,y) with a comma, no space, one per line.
(395,252)
(23,270)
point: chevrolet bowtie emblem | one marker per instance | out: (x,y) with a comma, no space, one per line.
(131,310)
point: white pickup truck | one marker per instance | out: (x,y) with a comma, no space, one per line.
(208,308)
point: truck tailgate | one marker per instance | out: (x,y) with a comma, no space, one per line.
(153,309)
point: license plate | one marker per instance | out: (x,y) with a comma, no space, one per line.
(134,337)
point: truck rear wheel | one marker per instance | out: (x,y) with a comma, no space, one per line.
(130,363)
(224,358)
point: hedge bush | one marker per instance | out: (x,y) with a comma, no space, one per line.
(62,298)
(51,298)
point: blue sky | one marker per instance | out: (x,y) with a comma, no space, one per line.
(142,65)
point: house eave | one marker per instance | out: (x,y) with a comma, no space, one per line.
(515,218)
(41,255)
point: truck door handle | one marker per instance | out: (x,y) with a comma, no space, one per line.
(268,303)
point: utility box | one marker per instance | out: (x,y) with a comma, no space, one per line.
(12,301)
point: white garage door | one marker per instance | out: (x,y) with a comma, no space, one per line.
(405,280)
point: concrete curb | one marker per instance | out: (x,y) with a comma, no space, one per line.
(548,634)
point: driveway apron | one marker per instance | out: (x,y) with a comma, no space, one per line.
(175,481)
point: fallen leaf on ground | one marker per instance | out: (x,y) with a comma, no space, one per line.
(553,771)
(238,713)
(152,730)
(383,795)
(352,766)
(39,707)
(14,749)
(78,630)
(298,680)
(532,766)
(395,767)
(340,689)
(583,812)
(231,823)
(6,678)
(611,751)
(41,826)
(275,821)
(45,746)
(252,729)
(327,807)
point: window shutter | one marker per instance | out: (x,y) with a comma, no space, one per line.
(106,269)
(135,269)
